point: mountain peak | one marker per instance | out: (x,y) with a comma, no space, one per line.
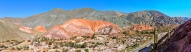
(58,9)
(85,9)
(150,11)
(113,12)
(153,12)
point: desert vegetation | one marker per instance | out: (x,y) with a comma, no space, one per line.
(97,42)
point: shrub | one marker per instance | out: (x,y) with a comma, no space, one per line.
(86,50)
(78,50)
(97,44)
(84,45)
(88,36)
(50,43)
(28,40)
(126,50)
(55,47)
(45,51)
(123,41)
(114,37)
(57,51)
(14,40)
(44,38)
(7,40)
(18,48)
(65,50)
(11,42)
(93,42)
(12,48)
(93,36)
(106,44)
(78,46)
(61,44)
(73,37)
(26,47)
(135,46)
(3,46)
(71,44)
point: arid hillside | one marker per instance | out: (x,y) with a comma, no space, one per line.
(179,41)
(10,31)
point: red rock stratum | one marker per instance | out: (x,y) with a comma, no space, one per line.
(141,27)
(26,29)
(83,27)
(40,29)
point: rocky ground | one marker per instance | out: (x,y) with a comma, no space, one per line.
(96,43)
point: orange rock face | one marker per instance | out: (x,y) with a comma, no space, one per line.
(141,27)
(83,27)
(40,29)
(26,29)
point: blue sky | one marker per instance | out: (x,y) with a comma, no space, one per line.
(26,8)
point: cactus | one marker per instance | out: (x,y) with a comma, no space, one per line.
(155,39)
(155,35)
(169,33)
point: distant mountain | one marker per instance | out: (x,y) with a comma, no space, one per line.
(11,19)
(114,13)
(59,16)
(152,17)
(10,31)
(185,18)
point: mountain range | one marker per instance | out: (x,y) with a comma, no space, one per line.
(58,16)
(185,18)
